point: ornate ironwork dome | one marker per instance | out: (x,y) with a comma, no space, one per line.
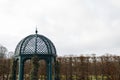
(35,44)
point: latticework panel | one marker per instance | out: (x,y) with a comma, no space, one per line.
(35,44)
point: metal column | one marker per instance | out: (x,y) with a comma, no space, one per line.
(49,70)
(21,69)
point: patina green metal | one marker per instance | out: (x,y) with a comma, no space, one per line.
(31,45)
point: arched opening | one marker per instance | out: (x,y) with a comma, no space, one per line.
(42,70)
(14,69)
(27,69)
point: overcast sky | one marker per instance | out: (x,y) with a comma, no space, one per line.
(75,26)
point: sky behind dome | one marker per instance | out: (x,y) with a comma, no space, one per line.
(75,26)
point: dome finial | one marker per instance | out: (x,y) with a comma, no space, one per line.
(36,31)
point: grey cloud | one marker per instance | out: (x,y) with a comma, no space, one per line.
(75,26)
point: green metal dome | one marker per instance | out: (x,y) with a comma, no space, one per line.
(35,44)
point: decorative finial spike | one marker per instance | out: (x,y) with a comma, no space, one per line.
(36,30)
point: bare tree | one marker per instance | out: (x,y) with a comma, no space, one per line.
(3,51)
(10,54)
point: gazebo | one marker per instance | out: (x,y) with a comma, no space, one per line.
(31,45)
